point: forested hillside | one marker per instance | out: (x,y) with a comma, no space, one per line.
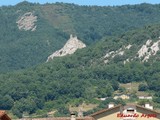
(31,32)
(83,76)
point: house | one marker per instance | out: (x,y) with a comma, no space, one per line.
(3,115)
(145,97)
(122,96)
(127,112)
(118,112)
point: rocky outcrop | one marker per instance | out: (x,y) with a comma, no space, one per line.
(112,54)
(27,22)
(69,48)
(149,49)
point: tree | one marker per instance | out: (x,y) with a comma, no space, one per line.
(122,89)
(142,87)
(6,102)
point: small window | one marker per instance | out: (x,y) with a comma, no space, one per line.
(130,110)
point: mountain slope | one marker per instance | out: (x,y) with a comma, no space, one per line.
(31,32)
(82,76)
(24,48)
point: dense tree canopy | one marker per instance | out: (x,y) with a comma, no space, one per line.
(83,75)
(21,49)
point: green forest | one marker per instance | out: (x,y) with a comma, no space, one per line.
(82,77)
(55,22)
(29,84)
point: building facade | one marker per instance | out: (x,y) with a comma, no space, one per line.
(127,112)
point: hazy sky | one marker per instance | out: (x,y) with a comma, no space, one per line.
(84,2)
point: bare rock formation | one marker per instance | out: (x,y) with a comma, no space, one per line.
(27,22)
(149,49)
(119,52)
(69,48)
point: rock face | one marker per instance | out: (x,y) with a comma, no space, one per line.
(69,48)
(112,54)
(27,22)
(149,49)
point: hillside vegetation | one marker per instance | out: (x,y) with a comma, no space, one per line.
(31,32)
(83,76)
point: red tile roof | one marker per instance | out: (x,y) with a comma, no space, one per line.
(104,110)
(133,105)
(3,115)
(138,106)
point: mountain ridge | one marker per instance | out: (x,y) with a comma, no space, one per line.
(55,22)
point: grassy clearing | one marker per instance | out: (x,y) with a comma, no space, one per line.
(133,88)
(84,107)
(130,86)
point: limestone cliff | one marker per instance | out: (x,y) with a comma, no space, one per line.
(149,49)
(69,48)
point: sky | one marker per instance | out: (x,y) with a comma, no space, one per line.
(84,2)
